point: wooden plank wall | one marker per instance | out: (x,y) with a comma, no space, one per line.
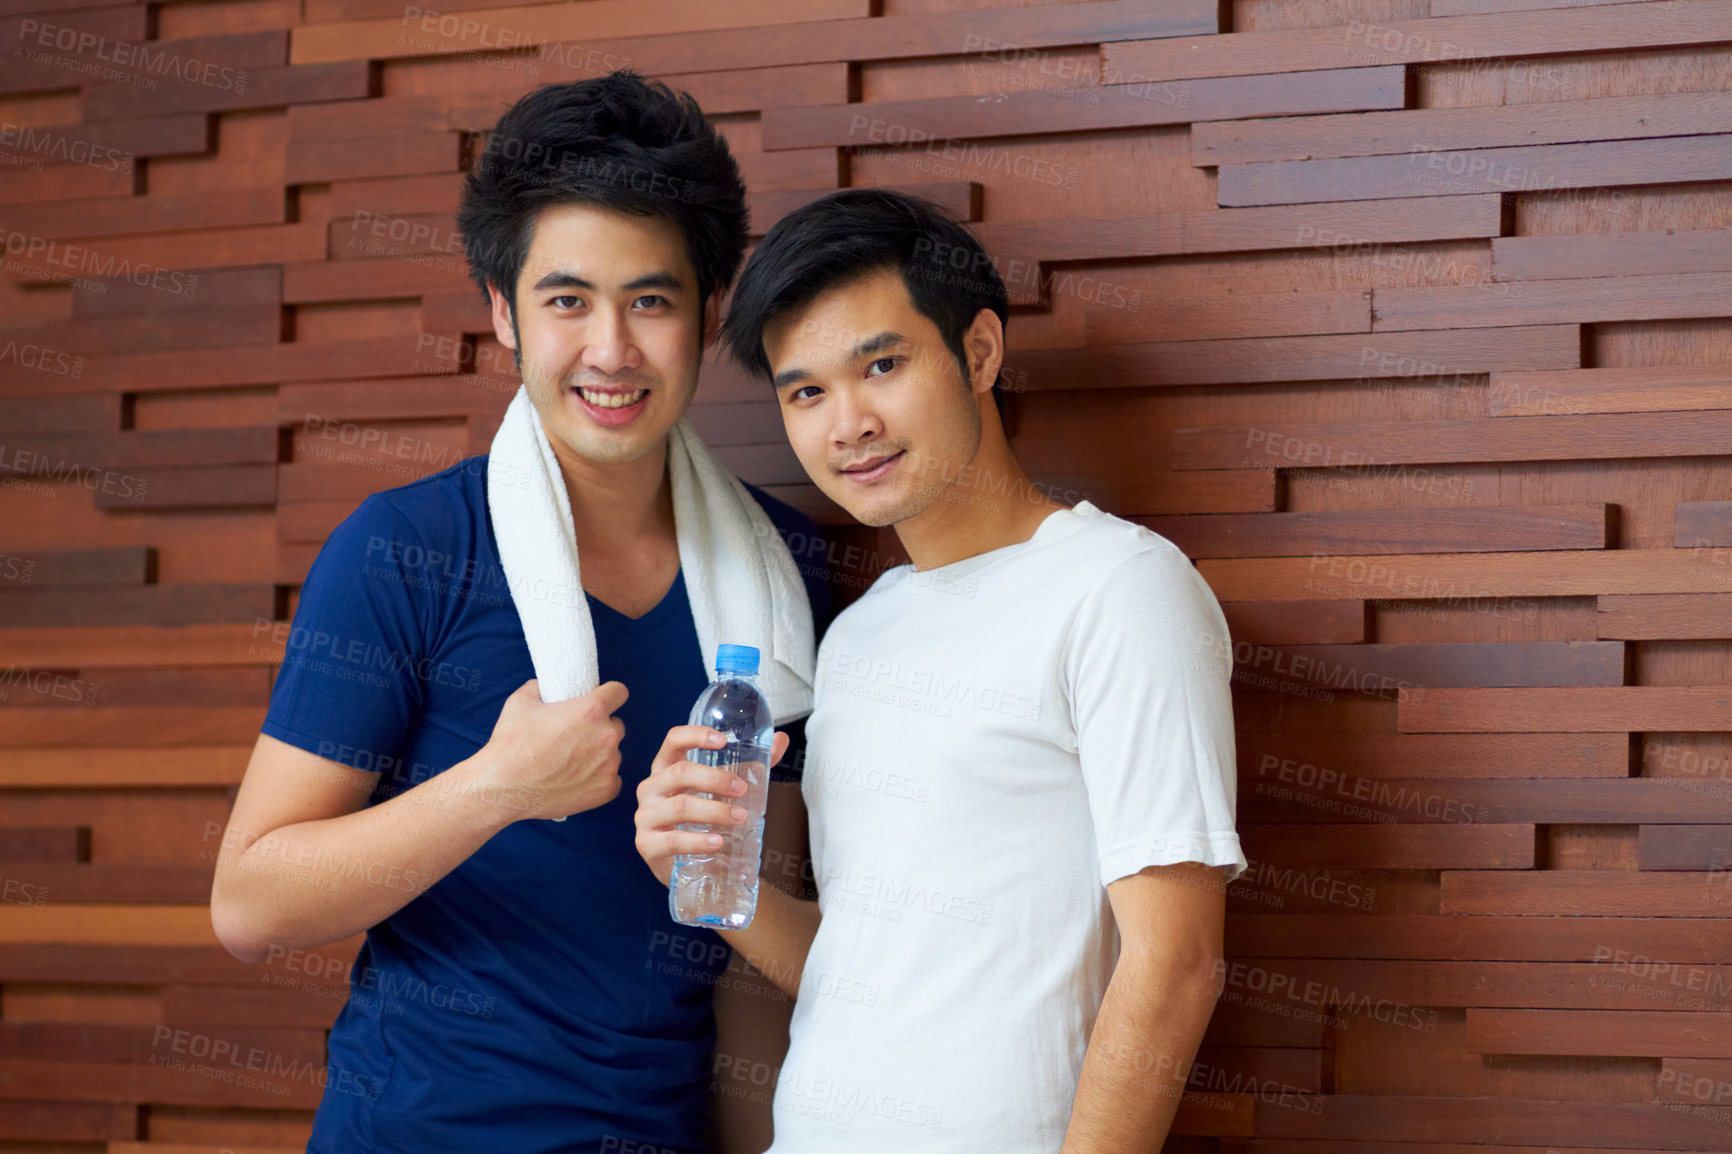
(1411,320)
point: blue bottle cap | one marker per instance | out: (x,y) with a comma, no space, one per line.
(736,658)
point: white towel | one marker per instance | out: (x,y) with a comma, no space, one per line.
(742,582)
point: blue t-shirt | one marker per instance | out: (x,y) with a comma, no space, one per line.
(538,997)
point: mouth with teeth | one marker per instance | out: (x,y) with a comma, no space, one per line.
(611,407)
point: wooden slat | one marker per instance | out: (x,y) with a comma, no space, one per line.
(229,686)
(1416,132)
(215,487)
(1648,252)
(1372,531)
(237,1006)
(393,356)
(1624,1033)
(47,455)
(1382,669)
(1674,296)
(1451,38)
(1391,847)
(1436,755)
(37,32)
(1244,230)
(44,843)
(1290,795)
(1491,583)
(1628,709)
(265,88)
(1566,438)
(91,412)
(108,882)
(1684,847)
(68,1121)
(73,568)
(123,767)
(130,725)
(144,605)
(1517,1122)
(1463,937)
(1092,108)
(162,1083)
(1552,985)
(524,25)
(117,216)
(117,925)
(319,281)
(1121,317)
(1548,168)
(1261,361)
(1665,617)
(1275,623)
(138,646)
(1689,894)
(1698,524)
(206,964)
(1642,389)
(785,38)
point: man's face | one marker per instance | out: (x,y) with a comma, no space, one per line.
(873,401)
(607,330)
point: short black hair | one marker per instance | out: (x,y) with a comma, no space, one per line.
(854,233)
(619,141)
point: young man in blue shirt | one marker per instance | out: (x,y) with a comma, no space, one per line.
(522,987)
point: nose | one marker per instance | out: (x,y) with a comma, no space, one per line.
(608,347)
(854,421)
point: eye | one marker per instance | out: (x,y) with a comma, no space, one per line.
(654,300)
(796,394)
(888,363)
(575,301)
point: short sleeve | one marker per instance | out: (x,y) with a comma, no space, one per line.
(348,690)
(1154,723)
(811,553)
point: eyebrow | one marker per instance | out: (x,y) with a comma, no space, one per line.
(865,348)
(562,278)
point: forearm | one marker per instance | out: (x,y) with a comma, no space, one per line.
(779,938)
(313,882)
(1145,1038)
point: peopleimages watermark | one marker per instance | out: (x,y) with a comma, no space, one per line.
(71,262)
(50,145)
(226,1060)
(157,58)
(1354,788)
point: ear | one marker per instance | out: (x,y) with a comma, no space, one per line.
(501,308)
(712,318)
(984,344)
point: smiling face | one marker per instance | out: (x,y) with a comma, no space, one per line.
(607,330)
(874,403)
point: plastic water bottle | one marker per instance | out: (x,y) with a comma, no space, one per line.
(721,888)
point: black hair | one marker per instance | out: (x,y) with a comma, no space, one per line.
(853,233)
(619,141)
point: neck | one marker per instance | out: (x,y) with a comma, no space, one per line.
(990,503)
(616,503)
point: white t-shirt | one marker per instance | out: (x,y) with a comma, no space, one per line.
(991,743)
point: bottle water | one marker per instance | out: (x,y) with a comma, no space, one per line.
(720,888)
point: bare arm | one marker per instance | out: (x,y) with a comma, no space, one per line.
(304,861)
(752,1014)
(781,933)
(1157,1005)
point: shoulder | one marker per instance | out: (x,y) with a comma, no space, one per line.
(1121,565)
(437,515)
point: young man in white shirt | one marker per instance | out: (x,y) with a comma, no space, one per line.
(1020,771)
